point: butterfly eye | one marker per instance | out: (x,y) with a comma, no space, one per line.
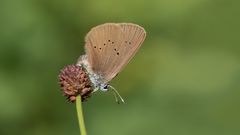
(105,87)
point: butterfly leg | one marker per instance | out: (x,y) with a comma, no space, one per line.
(96,89)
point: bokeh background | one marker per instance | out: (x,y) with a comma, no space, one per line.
(185,80)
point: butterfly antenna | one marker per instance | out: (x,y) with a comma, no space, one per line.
(116,94)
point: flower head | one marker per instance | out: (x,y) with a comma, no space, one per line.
(74,81)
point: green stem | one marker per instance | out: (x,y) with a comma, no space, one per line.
(80,115)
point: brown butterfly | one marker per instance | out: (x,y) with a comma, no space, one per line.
(109,47)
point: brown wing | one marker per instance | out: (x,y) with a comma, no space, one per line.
(111,46)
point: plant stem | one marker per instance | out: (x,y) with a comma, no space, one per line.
(80,115)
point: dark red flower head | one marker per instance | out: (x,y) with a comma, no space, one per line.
(74,81)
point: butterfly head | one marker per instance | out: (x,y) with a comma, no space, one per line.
(104,87)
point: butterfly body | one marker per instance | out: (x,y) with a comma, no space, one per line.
(96,79)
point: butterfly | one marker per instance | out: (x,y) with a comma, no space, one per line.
(109,48)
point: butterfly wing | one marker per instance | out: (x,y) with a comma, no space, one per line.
(111,46)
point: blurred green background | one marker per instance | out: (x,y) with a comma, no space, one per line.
(185,80)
